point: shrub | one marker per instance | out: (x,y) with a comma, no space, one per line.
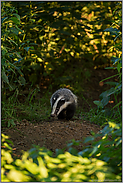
(11,58)
(115,31)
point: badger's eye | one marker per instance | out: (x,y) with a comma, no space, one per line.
(62,100)
(54,98)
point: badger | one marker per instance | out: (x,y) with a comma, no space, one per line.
(63,104)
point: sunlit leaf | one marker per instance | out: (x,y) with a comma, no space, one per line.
(7,156)
(7,145)
(72,53)
(17,176)
(113,125)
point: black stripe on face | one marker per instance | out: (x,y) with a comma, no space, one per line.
(54,99)
(59,104)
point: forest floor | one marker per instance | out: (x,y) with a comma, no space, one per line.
(55,134)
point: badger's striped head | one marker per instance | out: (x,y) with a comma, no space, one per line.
(58,105)
(62,101)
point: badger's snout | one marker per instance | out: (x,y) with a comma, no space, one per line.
(53,115)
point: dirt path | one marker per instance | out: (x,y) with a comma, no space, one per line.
(52,135)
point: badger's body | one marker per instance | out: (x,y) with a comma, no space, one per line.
(63,103)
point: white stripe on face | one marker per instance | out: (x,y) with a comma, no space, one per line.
(55,104)
(63,107)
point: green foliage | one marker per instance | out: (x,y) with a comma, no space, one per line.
(10,52)
(60,35)
(38,165)
(115,29)
(34,109)
(108,148)
(48,37)
(8,114)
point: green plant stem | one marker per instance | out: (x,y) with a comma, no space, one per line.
(109,77)
(118,105)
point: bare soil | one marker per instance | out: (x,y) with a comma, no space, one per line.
(54,134)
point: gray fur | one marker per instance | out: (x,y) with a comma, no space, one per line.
(63,103)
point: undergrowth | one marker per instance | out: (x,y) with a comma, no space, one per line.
(34,111)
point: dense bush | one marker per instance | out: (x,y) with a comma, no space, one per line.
(11,57)
(60,35)
(109,148)
(116,33)
(44,39)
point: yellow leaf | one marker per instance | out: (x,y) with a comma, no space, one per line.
(17,176)
(101,176)
(113,125)
(42,169)
(39,59)
(72,53)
